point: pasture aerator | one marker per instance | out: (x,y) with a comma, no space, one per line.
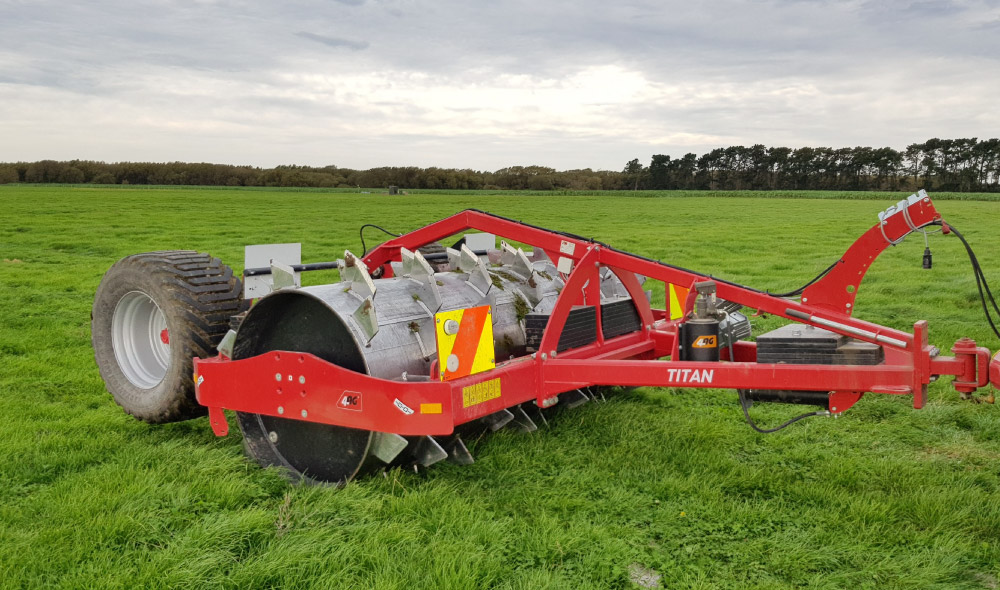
(419,346)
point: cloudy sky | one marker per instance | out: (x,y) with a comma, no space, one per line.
(487,84)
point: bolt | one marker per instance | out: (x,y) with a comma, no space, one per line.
(302,379)
(544,356)
(833,409)
(281,410)
(848,306)
(805,299)
(553,354)
(305,414)
(272,436)
(277,376)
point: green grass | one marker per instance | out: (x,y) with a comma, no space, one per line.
(671,480)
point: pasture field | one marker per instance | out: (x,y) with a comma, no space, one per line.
(672,483)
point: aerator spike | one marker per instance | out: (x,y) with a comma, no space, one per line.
(521,265)
(225,347)
(414,264)
(427,293)
(498,420)
(479,276)
(458,453)
(365,316)
(574,399)
(539,255)
(454,259)
(611,285)
(521,420)
(429,452)
(282,275)
(421,268)
(533,411)
(468,261)
(406,257)
(387,446)
(507,253)
(356,273)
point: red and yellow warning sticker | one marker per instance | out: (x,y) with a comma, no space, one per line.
(464,342)
(678,296)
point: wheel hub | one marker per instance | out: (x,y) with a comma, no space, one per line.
(136,333)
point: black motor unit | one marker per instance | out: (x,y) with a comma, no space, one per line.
(799,344)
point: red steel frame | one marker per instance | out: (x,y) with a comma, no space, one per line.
(304,387)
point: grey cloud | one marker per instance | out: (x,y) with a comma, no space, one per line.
(334,41)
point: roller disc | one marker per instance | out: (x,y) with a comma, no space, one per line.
(306,450)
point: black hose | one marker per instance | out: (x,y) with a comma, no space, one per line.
(743,399)
(746,413)
(981,284)
(804,287)
(361,232)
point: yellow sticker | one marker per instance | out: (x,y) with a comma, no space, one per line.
(678,297)
(480,392)
(430,408)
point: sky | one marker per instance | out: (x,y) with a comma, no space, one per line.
(487,84)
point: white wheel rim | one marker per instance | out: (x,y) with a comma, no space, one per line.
(136,329)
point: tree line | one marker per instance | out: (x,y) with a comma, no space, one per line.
(961,165)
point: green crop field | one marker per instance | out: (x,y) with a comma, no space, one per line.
(670,484)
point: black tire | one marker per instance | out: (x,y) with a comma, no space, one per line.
(194,296)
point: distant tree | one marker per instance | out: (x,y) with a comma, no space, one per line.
(659,173)
(633,173)
(8,174)
(104,178)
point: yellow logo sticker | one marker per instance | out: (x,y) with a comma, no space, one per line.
(705,342)
(480,392)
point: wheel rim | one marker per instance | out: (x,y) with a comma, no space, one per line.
(136,334)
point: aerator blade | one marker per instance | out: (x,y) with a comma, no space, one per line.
(533,411)
(429,452)
(574,398)
(458,452)
(521,420)
(498,420)
(387,446)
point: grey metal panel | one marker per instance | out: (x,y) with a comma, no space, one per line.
(261,255)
